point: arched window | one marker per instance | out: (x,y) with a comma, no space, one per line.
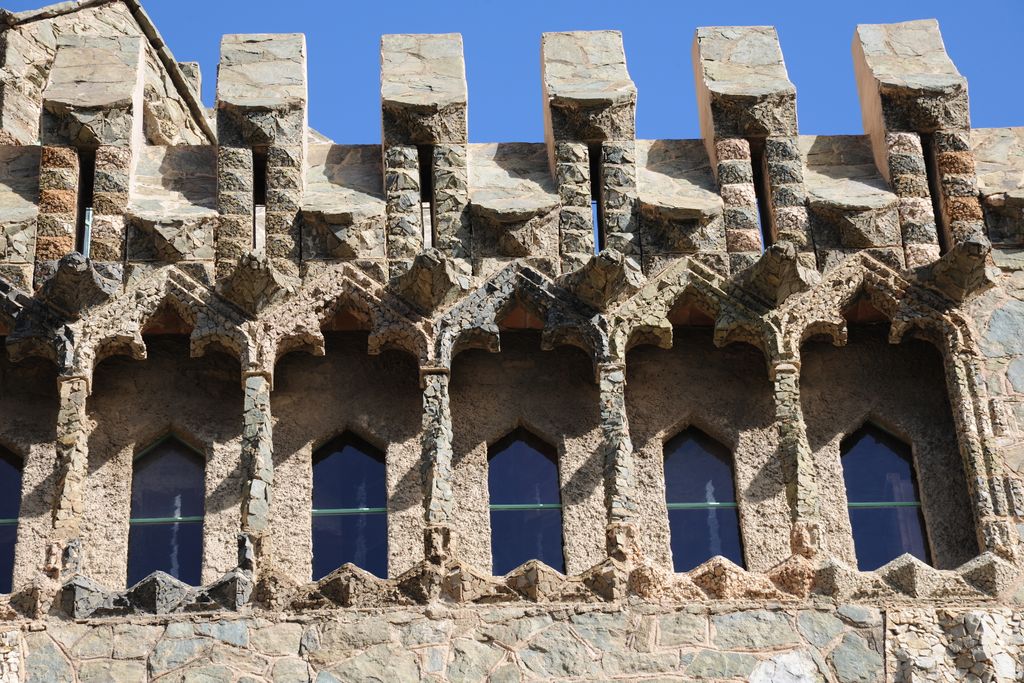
(10,506)
(701,498)
(526,505)
(350,520)
(168,503)
(881,491)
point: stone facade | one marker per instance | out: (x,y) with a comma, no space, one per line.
(773,289)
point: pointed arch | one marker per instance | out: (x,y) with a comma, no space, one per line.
(700,494)
(349,515)
(297,322)
(646,317)
(168,504)
(474,321)
(525,502)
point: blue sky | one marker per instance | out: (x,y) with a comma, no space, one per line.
(502,46)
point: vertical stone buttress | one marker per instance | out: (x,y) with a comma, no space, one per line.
(619,471)
(437,465)
(92,107)
(748,116)
(423,119)
(916,111)
(261,127)
(590,108)
(257,453)
(72,460)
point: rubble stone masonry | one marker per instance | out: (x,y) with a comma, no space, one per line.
(431,294)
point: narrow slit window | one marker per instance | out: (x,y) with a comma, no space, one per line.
(931,168)
(86,189)
(168,505)
(10,507)
(762,189)
(525,503)
(701,497)
(350,520)
(596,209)
(259,199)
(426,167)
(881,492)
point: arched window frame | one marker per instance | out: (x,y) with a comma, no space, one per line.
(349,437)
(547,450)
(697,433)
(868,425)
(134,522)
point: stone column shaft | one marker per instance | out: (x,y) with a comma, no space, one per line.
(257,453)
(452,234)
(575,226)
(72,457)
(438,499)
(404,228)
(798,460)
(619,471)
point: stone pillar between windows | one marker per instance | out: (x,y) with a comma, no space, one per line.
(437,464)
(619,472)
(402,193)
(736,185)
(72,465)
(575,227)
(797,458)
(257,453)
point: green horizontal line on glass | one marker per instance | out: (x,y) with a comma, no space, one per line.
(163,520)
(700,506)
(338,512)
(895,504)
(8,522)
(505,507)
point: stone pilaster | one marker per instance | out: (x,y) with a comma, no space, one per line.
(575,227)
(590,102)
(58,196)
(110,201)
(424,104)
(72,457)
(736,183)
(745,98)
(923,95)
(257,453)
(438,499)
(798,460)
(619,472)
(261,110)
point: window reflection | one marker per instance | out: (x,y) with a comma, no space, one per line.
(525,503)
(881,490)
(168,504)
(701,498)
(350,522)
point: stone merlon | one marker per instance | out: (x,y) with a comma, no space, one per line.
(262,71)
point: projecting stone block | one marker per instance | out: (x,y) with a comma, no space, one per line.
(743,89)
(906,80)
(588,92)
(95,91)
(423,89)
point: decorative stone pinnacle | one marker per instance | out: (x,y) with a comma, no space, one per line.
(75,286)
(607,278)
(778,274)
(431,281)
(254,284)
(963,270)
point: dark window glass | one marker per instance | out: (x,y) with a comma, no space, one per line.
(166,530)
(10,505)
(701,498)
(526,506)
(350,521)
(885,512)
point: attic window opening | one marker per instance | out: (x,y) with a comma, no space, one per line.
(931,168)
(426,168)
(86,188)
(259,199)
(596,206)
(762,190)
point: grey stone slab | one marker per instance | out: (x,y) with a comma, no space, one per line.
(511,178)
(586,68)
(422,70)
(674,177)
(262,71)
(840,170)
(19,182)
(175,182)
(753,630)
(344,178)
(908,55)
(95,72)
(999,155)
